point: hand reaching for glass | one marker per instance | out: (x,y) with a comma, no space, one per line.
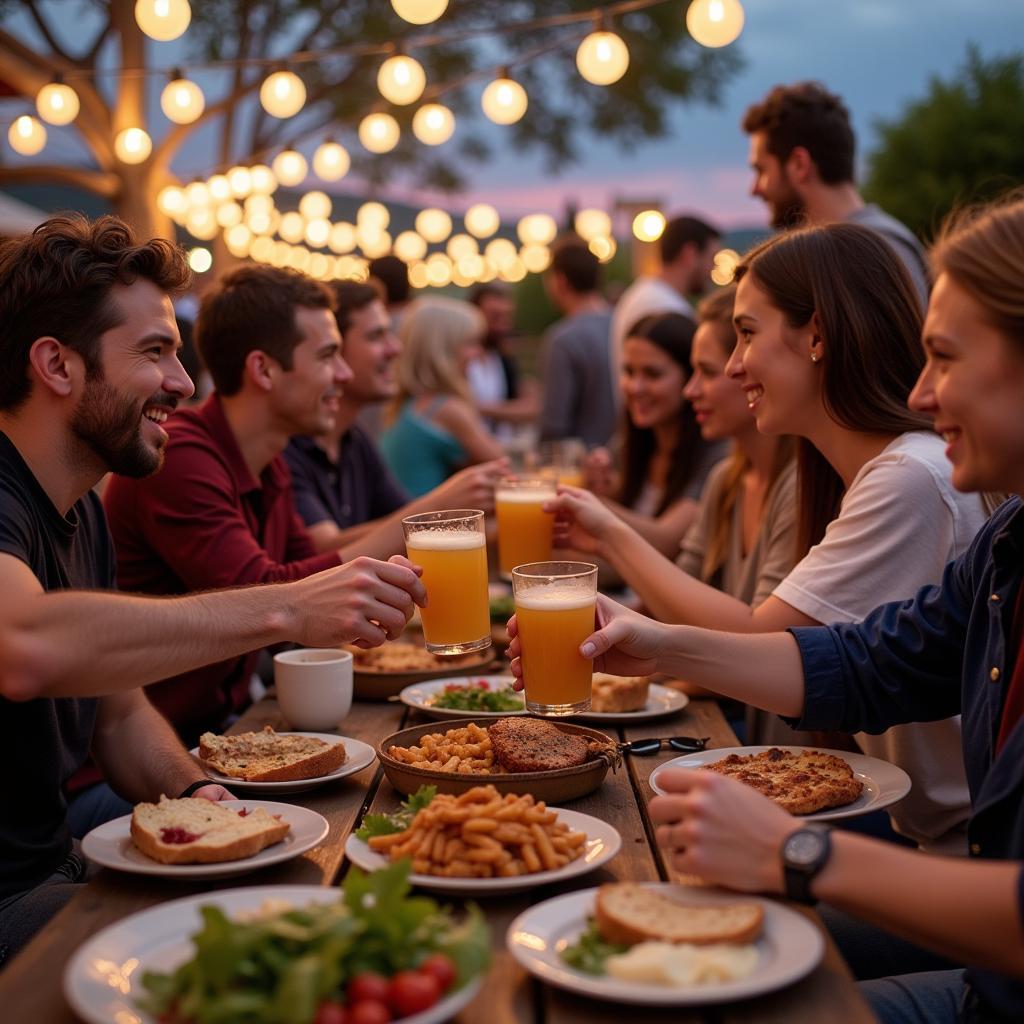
(582,521)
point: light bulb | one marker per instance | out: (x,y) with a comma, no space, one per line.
(504,101)
(482,220)
(433,224)
(229,214)
(258,203)
(401,80)
(648,225)
(319,266)
(26,135)
(419,12)
(603,247)
(379,133)
(261,249)
(198,194)
(369,235)
(315,205)
(378,246)
(182,101)
(592,224)
(410,246)
(536,258)
(342,238)
(282,94)
(513,271)
(171,201)
(163,20)
(439,270)
(201,223)
(331,161)
(500,252)
(57,103)
(240,181)
(200,259)
(238,239)
(461,245)
(602,58)
(471,266)
(714,23)
(318,230)
(418,275)
(289,167)
(537,229)
(262,180)
(433,124)
(220,188)
(373,214)
(292,227)
(133,146)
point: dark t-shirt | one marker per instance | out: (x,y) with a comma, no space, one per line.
(44,741)
(358,489)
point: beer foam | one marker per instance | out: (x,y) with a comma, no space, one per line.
(445,540)
(554,599)
(525,497)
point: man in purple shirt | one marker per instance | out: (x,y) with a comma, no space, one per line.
(221,511)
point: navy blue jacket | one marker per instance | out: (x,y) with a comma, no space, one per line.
(943,652)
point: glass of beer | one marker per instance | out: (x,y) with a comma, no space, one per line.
(555,611)
(525,530)
(563,461)
(452,550)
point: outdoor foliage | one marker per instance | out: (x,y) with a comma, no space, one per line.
(963,142)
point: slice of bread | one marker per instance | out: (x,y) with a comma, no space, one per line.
(628,913)
(197,831)
(267,757)
(618,693)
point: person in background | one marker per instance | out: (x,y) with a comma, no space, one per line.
(88,376)
(664,461)
(829,351)
(687,250)
(802,154)
(505,398)
(432,426)
(579,396)
(953,647)
(344,490)
(221,513)
(393,274)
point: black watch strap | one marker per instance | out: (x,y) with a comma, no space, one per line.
(800,873)
(193,786)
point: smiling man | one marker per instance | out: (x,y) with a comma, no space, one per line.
(89,371)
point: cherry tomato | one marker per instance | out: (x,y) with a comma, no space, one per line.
(441,967)
(368,1011)
(368,985)
(331,1013)
(411,992)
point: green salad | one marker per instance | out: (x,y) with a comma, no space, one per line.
(502,608)
(590,952)
(304,964)
(477,695)
(398,821)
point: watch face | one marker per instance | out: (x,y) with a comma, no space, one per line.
(803,847)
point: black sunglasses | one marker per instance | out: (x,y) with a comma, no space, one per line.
(686,744)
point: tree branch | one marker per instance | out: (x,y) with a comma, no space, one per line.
(100,183)
(88,60)
(44,28)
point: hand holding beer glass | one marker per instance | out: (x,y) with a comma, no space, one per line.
(525,530)
(451,549)
(555,603)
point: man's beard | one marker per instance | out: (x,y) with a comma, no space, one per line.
(110,426)
(788,211)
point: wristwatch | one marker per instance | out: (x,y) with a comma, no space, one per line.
(804,853)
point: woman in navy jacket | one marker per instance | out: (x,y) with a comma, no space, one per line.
(956,647)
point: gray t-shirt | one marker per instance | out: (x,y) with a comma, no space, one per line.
(579,399)
(903,241)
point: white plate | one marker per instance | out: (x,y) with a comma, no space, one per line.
(110,844)
(661,701)
(603,843)
(790,947)
(884,783)
(104,977)
(360,755)
(422,696)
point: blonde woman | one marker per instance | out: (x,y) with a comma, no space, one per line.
(433,428)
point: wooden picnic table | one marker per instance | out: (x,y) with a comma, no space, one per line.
(30,987)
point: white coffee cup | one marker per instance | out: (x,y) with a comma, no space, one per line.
(314,687)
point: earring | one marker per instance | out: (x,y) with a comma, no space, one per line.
(814,357)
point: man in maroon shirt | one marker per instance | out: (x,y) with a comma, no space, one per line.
(220,512)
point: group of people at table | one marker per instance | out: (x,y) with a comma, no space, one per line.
(853,563)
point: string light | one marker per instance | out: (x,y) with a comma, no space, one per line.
(133,146)
(433,124)
(315,205)
(603,248)
(238,240)
(182,101)
(648,225)
(401,80)
(282,94)
(262,180)
(220,188)
(537,229)
(379,133)
(536,258)
(715,23)
(200,259)
(504,101)
(439,270)
(197,194)
(292,227)
(380,245)
(373,214)
(318,230)
(419,12)
(240,181)
(418,275)
(602,58)
(57,103)
(592,224)
(201,223)
(461,245)
(500,252)
(342,238)
(163,20)
(26,135)
(433,224)
(228,215)
(289,167)
(331,161)
(410,246)
(172,202)
(482,220)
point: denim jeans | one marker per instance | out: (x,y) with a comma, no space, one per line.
(931,997)
(94,806)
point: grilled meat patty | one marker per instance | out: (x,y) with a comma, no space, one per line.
(531,745)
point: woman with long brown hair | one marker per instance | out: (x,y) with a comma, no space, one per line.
(828,350)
